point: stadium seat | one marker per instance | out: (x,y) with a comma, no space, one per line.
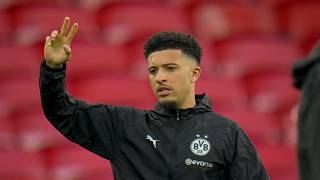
(115,91)
(280,161)
(218,22)
(224,93)
(297,20)
(7,135)
(261,129)
(5,27)
(123,23)
(271,94)
(251,56)
(96,59)
(97,4)
(191,4)
(35,133)
(17,165)
(33,23)
(19,95)
(18,61)
(78,164)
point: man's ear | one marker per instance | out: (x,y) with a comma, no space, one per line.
(196,72)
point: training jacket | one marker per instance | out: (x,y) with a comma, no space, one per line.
(159,144)
(306,74)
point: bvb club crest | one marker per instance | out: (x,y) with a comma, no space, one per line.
(200,146)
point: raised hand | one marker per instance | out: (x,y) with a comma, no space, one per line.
(57,49)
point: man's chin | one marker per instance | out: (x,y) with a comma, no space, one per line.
(168,104)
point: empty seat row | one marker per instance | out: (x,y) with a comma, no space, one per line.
(123,22)
(58,164)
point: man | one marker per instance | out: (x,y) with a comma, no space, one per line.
(306,74)
(180,139)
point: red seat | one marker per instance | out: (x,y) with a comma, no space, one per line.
(89,4)
(19,95)
(224,93)
(260,128)
(218,22)
(33,23)
(251,56)
(35,133)
(5,27)
(88,60)
(115,91)
(18,61)
(125,22)
(78,163)
(7,135)
(298,21)
(16,165)
(271,94)
(280,161)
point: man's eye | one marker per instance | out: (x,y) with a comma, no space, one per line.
(171,68)
(152,71)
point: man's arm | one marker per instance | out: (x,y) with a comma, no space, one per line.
(246,164)
(94,127)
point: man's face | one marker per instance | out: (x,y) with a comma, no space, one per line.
(172,75)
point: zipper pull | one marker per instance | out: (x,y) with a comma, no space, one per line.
(178,115)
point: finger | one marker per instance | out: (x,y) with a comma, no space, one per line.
(65,26)
(72,32)
(67,49)
(48,40)
(54,34)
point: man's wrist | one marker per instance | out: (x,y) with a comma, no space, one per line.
(54,66)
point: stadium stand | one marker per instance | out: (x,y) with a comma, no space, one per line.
(75,163)
(248,47)
(31,22)
(18,165)
(242,57)
(218,22)
(121,24)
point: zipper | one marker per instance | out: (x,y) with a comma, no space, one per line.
(178,115)
(173,156)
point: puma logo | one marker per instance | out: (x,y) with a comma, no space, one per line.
(154,141)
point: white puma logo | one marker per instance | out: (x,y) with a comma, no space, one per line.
(154,141)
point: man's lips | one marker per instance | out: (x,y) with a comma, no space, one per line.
(163,90)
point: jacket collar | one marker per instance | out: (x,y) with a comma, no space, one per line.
(203,104)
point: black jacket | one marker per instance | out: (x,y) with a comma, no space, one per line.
(162,144)
(306,74)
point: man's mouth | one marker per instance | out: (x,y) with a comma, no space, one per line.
(163,90)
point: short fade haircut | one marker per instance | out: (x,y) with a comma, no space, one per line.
(173,40)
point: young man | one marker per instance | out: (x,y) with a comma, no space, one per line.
(180,139)
(306,75)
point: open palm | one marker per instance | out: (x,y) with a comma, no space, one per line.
(57,49)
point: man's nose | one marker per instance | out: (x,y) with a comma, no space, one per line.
(161,77)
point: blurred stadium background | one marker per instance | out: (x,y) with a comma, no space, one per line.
(249,47)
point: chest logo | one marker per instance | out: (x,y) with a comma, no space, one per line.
(200,146)
(154,141)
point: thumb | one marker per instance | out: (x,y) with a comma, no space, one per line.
(67,49)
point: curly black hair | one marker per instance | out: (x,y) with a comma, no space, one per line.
(173,40)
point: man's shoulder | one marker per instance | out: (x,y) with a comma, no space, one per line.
(216,119)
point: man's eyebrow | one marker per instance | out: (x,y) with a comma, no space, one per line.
(167,64)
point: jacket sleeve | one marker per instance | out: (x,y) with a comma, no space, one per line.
(246,164)
(94,127)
